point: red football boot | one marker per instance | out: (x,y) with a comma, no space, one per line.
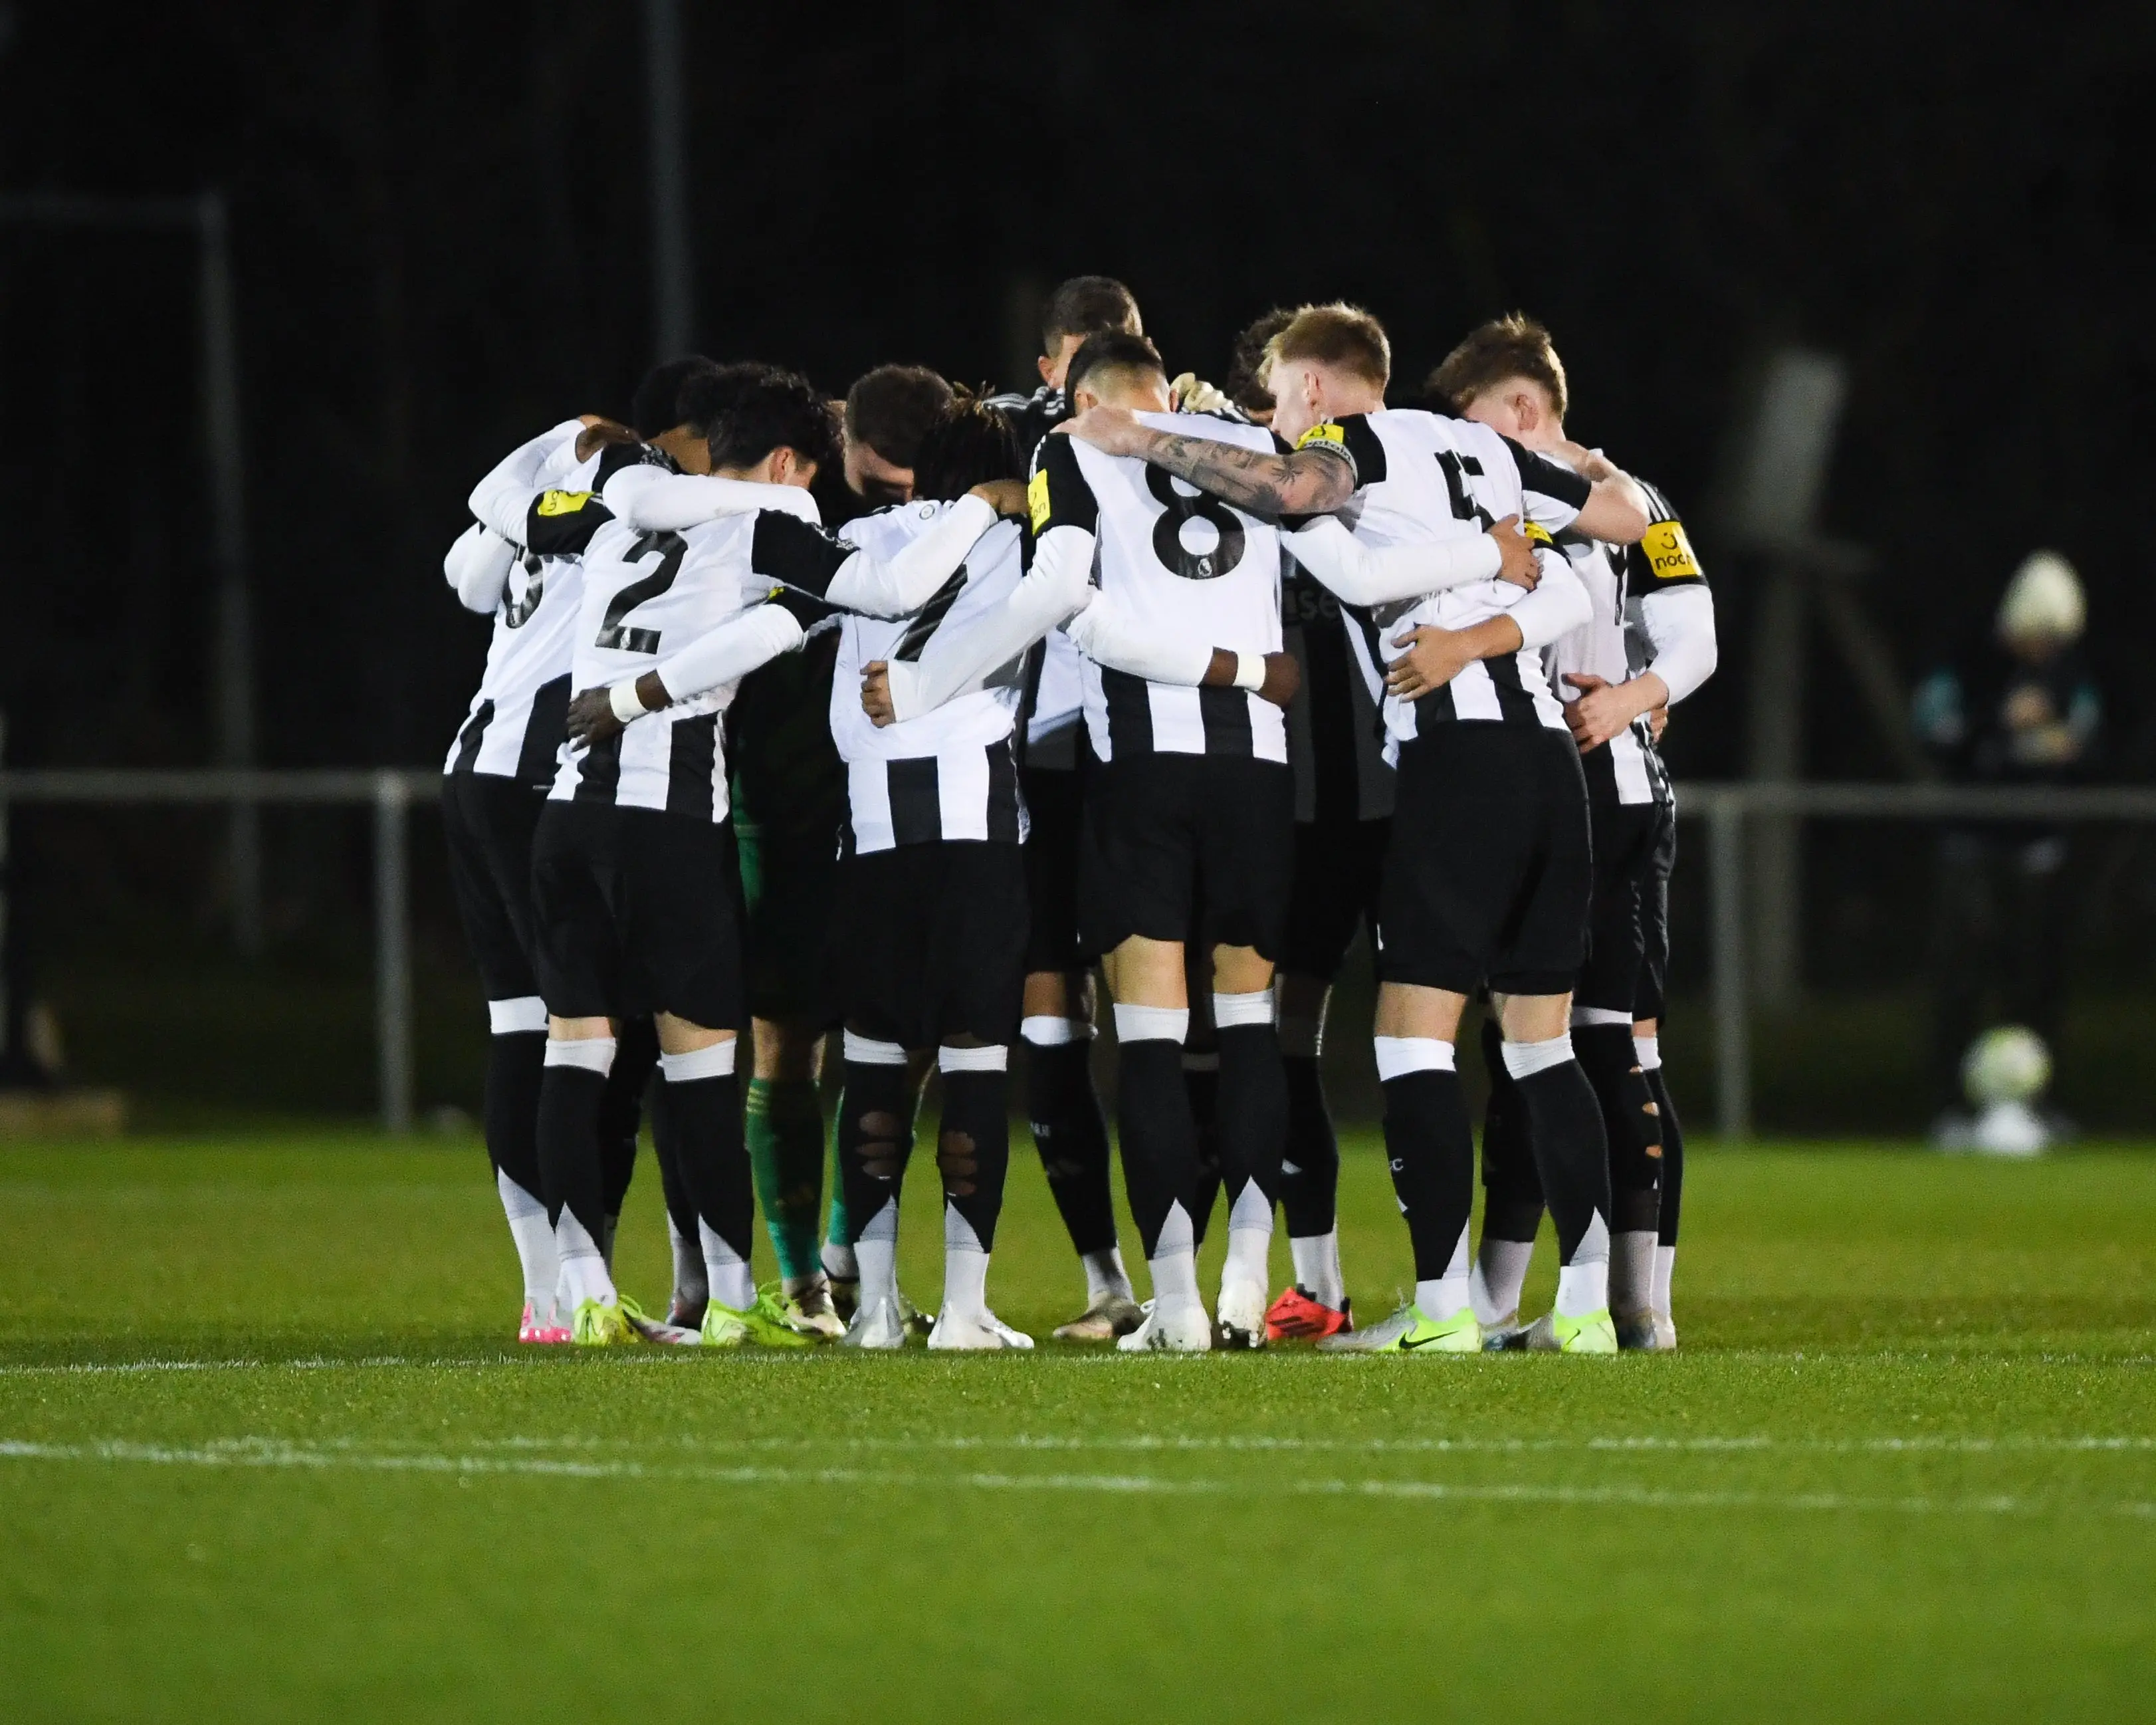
(1298,1316)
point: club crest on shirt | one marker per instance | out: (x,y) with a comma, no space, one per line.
(563,502)
(1669,552)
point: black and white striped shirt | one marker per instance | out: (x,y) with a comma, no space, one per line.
(1423,477)
(1336,723)
(1622,580)
(950,773)
(549,509)
(1189,568)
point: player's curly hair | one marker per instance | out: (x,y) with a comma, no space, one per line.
(757,409)
(890,407)
(968,444)
(1246,363)
(1513,345)
(658,404)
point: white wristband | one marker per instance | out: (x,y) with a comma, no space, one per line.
(623,698)
(1251,671)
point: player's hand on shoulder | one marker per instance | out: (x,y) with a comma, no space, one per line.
(1590,464)
(1006,497)
(591,717)
(1113,431)
(875,693)
(1433,658)
(1515,556)
(1191,394)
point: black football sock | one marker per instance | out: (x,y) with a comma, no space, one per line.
(1571,1156)
(1252,1129)
(571,1089)
(1665,1248)
(1071,1134)
(692,1287)
(1201,1083)
(636,1054)
(1631,1123)
(515,1063)
(875,1140)
(699,1104)
(1310,1161)
(1153,1123)
(1512,1192)
(972,1154)
(1431,1149)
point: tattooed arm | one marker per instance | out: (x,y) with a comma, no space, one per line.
(1312,481)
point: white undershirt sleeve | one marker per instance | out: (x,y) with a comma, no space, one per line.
(1108,635)
(730,652)
(958,661)
(653,500)
(1680,622)
(1555,608)
(501,499)
(477,568)
(1376,575)
(893,586)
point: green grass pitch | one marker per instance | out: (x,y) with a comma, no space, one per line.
(264,1455)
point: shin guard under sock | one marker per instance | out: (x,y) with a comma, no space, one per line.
(876,1141)
(516,1062)
(1629,1121)
(1571,1155)
(1672,1194)
(571,1089)
(1201,1083)
(973,1147)
(1252,1128)
(1513,1191)
(784,1127)
(1069,1130)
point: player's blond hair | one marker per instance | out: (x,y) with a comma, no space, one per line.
(1340,337)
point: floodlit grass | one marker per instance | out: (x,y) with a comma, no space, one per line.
(264,1455)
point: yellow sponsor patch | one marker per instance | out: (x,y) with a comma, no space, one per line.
(1669,552)
(1327,432)
(1536,534)
(1036,498)
(563,502)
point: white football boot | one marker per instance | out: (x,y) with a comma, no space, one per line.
(981,1332)
(1183,1329)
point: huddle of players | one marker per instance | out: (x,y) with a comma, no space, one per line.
(1194,698)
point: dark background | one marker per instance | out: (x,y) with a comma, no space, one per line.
(442,245)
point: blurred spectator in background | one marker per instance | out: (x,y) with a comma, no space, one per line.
(2028,713)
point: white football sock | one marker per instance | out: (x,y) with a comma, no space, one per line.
(965,1268)
(1317,1268)
(1647,1050)
(1500,1272)
(1583,1285)
(725,1272)
(535,1243)
(1106,1278)
(1447,1295)
(876,1251)
(1666,1264)
(1175,1266)
(582,1268)
(1631,1272)
(839,1262)
(1249,1237)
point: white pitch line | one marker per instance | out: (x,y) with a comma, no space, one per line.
(264,1453)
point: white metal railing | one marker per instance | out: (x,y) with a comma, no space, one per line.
(1724,807)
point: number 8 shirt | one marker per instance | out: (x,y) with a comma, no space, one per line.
(1187,568)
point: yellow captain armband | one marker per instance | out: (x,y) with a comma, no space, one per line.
(1536,534)
(1326,434)
(1668,553)
(1036,498)
(563,502)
